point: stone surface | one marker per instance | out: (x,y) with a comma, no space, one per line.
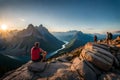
(84,69)
(110,76)
(52,68)
(37,66)
(65,74)
(103,59)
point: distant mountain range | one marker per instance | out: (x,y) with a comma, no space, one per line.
(65,36)
(78,38)
(22,42)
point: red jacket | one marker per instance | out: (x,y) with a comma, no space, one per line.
(35,53)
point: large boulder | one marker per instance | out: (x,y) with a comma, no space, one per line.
(84,69)
(52,68)
(65,74)
(37,66)
(109,76)
(99,55)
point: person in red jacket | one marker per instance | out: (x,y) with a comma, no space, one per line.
(37,54)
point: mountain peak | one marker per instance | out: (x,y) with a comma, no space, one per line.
(73,31)
(40,25)
(30,27)
(42,29)
(79,33)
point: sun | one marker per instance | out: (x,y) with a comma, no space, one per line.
(4,27)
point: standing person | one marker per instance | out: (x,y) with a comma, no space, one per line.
(110,38)
(107,38)
(37,54)
(95,39)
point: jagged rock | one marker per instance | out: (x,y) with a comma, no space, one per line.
(110,76)
(42,79)
(52,68)
(63,59)
(37,66)
(116,63)
(117,41)
(84,70)
(101,61)
(77,61)
(97,55)
(65,74)
(45,70)
(92,46)
(118,56)
(21,73)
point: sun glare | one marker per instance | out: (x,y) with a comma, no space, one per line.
(4,27)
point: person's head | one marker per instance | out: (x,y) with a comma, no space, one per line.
(107,32)
(36,44)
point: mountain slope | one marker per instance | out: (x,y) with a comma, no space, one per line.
(78,40)
(7,64)
(65,36)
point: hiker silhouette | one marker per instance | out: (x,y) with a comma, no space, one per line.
(95,38)
(109,38)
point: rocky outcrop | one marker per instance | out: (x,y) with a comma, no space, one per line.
(94,62)
(98,55)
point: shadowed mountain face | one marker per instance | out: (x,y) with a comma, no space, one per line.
(8,64)
(79,39)
(1,44)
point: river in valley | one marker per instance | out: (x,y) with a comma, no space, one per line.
(55,52)
(27,58)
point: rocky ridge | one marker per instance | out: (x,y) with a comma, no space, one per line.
(94,62)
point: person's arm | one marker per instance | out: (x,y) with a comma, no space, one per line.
(44,52)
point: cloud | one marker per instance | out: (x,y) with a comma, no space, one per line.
(117,31)
(90,28)
(22,19)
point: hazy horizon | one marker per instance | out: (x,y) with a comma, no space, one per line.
(95,16)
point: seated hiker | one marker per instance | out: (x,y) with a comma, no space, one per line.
(37,54)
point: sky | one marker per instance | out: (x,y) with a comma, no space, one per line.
(89,16)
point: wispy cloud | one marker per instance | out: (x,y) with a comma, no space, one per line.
(90,28)
(117,31)
(22,19)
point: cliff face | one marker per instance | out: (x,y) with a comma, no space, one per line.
(92,62)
